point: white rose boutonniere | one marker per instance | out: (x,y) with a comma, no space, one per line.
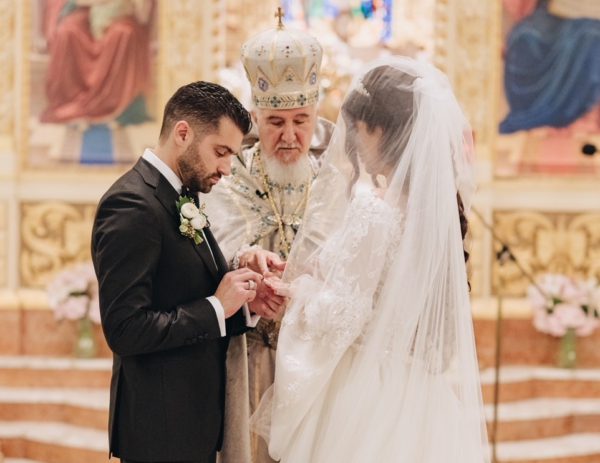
(191,219)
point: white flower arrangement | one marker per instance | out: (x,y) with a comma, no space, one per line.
(191,219)
(561,303)
(73,294)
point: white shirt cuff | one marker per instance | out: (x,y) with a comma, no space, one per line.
(251,320)
(220,311)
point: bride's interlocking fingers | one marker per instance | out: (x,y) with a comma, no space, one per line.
(279,287)
(267,304)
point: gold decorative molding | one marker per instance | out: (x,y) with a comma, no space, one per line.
(7,64)
(244,19)
(467,49)
(192,42)
(3,244)
(567,243)
(53,235)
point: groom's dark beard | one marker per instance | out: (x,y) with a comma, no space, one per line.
(283,174)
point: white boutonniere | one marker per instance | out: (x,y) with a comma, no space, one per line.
(191,219)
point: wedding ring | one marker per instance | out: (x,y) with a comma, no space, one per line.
(251,285)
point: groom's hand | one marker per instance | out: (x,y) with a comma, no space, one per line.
(262,261)
(237,288)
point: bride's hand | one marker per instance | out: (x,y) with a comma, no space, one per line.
(267,303)
(279,287)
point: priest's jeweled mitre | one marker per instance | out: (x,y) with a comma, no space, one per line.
(283,67)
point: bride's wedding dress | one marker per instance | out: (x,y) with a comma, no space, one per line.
(376,359)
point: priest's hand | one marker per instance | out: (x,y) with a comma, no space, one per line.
(262,261)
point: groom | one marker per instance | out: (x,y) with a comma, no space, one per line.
(167,301)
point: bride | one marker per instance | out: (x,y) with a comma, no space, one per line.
(376,356)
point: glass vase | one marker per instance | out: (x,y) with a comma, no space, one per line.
(567,354)
(85,345)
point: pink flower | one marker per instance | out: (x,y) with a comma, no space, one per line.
(552,287)
(570,315)
(575,294)
(73,294)
(555,327)
(567,299)
(73,308)
(555,284)
(578,292)
(595,298)
(541,323)
(588,327)
(536,298)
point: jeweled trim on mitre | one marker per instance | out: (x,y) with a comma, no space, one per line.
(296,100)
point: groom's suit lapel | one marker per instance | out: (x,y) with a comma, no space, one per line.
(168,197)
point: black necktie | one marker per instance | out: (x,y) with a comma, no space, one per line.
(185,191)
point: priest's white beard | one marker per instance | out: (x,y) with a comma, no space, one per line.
(295,174)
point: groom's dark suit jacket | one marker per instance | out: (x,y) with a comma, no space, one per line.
(167,389)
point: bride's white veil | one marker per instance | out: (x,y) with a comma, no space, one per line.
(376,358)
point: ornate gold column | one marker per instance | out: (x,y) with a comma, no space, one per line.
(3,245)
(467,47)
(244,19)
(7,64)
(8,156)
(192,45)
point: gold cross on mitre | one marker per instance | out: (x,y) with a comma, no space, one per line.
(279,15)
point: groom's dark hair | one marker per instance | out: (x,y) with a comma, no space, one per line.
(202,105)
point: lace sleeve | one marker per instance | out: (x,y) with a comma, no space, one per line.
(331,306)
(335,302)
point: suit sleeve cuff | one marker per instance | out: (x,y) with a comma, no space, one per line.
(251,319)
(216,303)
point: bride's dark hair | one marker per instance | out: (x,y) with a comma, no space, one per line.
(384,98)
